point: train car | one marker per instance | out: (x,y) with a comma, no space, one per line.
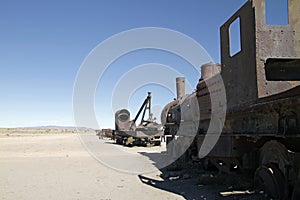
(245,113)
(146,133)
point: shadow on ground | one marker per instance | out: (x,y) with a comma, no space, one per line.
(192,182)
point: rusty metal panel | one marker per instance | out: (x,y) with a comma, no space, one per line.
(210,69)
(273,115)
(228,146)
(261,44)
(276,42)
(180,87)
(122,120)
(239,71)
(294,20)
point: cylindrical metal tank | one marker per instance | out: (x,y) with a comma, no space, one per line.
(122,119)
(165,111)
(210,69)
(180,87)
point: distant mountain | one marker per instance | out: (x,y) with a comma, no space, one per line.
(58,127)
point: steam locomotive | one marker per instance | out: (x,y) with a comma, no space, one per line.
(147,133)
(245,113)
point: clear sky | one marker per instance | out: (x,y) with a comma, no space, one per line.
(44,43)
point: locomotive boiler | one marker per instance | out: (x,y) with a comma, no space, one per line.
(245,112)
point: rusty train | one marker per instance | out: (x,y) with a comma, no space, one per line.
(147,133)
(250,103)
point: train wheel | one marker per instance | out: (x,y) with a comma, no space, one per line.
(119,141)
(270,179)
(157,143)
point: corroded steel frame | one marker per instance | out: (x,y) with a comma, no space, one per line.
(261,44)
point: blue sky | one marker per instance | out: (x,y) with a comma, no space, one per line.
(44,43)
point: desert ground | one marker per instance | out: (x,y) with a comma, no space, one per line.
(56,164)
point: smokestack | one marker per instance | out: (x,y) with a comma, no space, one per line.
(180,87)
(210,69)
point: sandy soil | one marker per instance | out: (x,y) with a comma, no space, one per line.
(31,131)
(58,166)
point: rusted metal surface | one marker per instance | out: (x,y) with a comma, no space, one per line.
(130,134)
(239,71)
(262,84)
(255,105)
(261,44)
(165,112)
(107,132)
(180,85)
(122,120)
(275,42)
(276,115)
(208,90)
(210,69)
